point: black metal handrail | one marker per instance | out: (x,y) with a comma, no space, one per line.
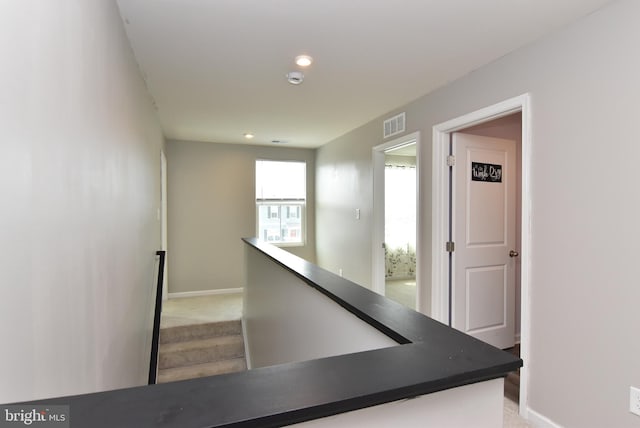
(153,365)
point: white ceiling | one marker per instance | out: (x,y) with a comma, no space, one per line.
(216,67)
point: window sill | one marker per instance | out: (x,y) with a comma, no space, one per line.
(285,244)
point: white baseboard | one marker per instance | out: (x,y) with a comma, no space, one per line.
(539,421)
(204,293)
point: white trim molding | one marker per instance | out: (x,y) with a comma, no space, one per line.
(540,421)
(184,294)
(440,219)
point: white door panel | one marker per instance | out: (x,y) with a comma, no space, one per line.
(484,228)
(487,284)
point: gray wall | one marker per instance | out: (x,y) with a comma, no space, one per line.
(584,297)
(286,320)
(344,183)
(211,205)
(80,186)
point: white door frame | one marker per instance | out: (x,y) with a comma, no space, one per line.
(440,219)
(377,238)
(163,226)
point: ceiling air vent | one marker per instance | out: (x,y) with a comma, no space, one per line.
(394,125)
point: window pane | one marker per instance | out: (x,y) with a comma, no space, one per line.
(275,226)
(400,207)
(269,223)
(280,180)
(292,225)
(280,201)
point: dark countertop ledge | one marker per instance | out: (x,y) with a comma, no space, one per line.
(433,357)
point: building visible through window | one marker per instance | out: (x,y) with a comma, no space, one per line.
(281,201)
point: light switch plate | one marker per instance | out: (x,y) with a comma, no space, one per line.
(634,401)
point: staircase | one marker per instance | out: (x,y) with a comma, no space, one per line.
(199,350)
(512,386)
(512,381)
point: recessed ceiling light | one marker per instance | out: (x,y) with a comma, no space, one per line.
(304,60)
(248,135)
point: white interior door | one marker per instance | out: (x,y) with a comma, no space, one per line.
(484,232)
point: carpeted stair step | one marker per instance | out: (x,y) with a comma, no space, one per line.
(197,350)
(200,331)
(200,351)
(201,370)
(512,386)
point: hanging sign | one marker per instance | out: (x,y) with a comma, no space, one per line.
(486,172)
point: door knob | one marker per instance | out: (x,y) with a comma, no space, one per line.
(513,253)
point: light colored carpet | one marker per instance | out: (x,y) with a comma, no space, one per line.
(197,350)
(402,291)
(511,418)
(202,309)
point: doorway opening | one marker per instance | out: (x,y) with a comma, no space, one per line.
(487,212)
(444,262)
(400,224)
(396,224)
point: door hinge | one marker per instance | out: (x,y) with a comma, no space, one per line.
(451,160)
(450,247)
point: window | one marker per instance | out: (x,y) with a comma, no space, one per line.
(280,201)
